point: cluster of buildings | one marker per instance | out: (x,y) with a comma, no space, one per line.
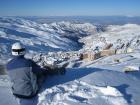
(107,51)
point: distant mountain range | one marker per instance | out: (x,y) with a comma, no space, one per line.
(102,20)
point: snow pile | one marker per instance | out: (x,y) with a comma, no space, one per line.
(131,68)
(82,93)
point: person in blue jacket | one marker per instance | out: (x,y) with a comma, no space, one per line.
(24,74)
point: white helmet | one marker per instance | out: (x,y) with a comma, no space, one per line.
(18,49)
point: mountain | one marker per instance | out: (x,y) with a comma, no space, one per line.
(37,37)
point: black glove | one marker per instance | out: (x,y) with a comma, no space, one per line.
(62,69)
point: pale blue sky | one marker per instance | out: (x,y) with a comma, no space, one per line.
(69,7)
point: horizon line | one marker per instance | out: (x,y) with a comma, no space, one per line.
(74,16)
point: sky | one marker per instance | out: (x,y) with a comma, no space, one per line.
(69,7)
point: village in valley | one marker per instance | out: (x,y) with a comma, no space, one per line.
(87,55)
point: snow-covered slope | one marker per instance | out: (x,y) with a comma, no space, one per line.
(128,34)
(89,86)
(100,82)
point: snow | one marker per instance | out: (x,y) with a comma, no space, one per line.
(6,97)
(133,68)
(115,34)
(54,36)
(99,82)
(88,86)
(80,92)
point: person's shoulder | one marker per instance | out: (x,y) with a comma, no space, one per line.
(28,60)
(10,61)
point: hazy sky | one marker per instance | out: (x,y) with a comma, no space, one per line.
(69,7)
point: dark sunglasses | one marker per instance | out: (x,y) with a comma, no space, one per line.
(18,50)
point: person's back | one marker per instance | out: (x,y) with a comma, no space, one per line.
(26,75)
(20,71)
(22,77)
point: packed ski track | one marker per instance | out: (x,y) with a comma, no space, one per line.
(99,82)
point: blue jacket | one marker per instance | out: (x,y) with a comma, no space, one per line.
(23,74)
